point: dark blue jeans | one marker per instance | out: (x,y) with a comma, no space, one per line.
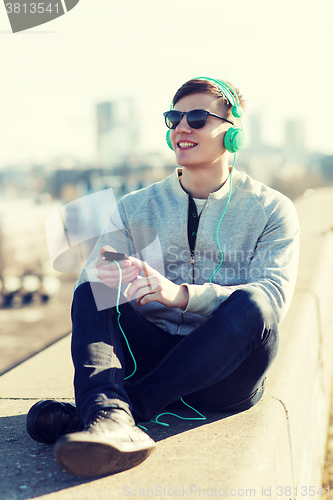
(220,366)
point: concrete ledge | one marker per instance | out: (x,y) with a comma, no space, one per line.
(47,375)
(278,443)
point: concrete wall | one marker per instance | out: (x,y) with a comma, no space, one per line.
(275,449)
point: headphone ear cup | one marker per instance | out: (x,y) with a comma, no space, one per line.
(234,139)
(169,140)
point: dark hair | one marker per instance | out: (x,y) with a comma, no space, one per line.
(206,87)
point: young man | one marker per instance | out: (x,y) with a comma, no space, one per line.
(210,272)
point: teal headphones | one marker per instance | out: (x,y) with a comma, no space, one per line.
(234,139)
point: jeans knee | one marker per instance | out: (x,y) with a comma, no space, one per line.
(94,296)
(255,303)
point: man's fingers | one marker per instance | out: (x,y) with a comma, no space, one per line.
(109,264)
(141,286)
(111,278)
(105,273)
(144,295)
(141,264)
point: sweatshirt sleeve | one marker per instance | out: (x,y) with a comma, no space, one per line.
(273,268)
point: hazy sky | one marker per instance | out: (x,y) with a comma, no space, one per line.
(279,53)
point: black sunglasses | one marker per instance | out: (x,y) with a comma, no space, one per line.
(196,118)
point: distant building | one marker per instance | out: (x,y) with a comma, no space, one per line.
(255,132)
(117,131)
(294,147)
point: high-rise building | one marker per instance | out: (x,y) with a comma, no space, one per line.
(117,131)
(294,140)
(255,132)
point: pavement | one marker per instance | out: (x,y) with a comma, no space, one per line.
(31,471)
(29,329)
(269,450)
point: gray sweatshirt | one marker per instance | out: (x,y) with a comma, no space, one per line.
(259,237)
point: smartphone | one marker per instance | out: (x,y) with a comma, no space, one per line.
(114,256)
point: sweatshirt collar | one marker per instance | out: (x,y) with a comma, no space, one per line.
(220,193)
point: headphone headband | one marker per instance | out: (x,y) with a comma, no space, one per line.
(228,92)
(225,89)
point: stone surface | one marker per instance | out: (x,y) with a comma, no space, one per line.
(267,451)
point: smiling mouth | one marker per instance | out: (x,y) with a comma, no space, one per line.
(186,145)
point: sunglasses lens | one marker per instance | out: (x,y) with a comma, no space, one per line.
(172,119)
(197,118)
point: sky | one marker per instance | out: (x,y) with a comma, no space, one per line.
(278,53)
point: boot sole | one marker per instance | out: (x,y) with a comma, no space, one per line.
(93,459)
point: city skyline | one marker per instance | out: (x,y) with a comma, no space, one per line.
(55,75)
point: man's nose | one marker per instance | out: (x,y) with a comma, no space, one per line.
(183,126)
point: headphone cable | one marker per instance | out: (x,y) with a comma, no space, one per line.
(118,320)
(218,226)
(202,417)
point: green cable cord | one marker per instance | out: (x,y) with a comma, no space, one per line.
(156,421)
(202,417)
(118,320)
(218,226)
(122,331)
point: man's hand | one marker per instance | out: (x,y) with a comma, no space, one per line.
(108,272)
(154,286)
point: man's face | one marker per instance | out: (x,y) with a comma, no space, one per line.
(200,147)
